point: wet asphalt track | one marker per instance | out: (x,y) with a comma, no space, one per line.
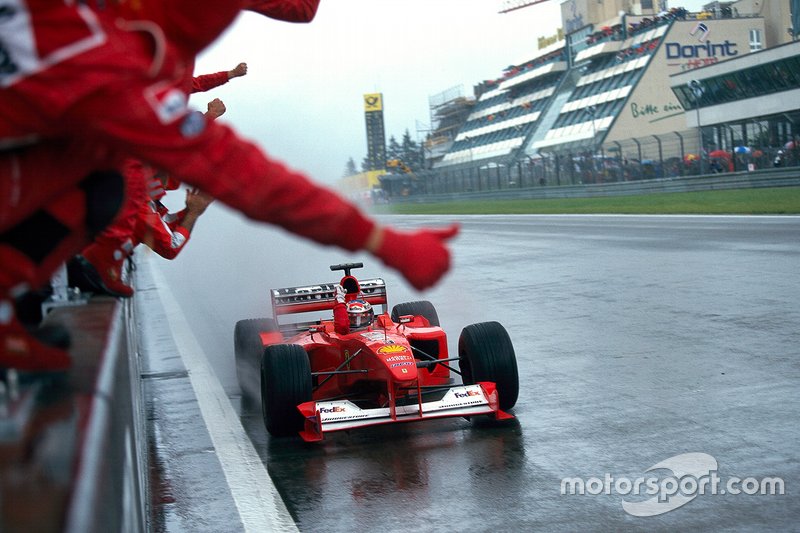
(638,339)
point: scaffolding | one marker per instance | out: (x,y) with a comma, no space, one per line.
(449,111)
(512,5)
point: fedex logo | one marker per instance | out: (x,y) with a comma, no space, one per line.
(467,394)
(334,409)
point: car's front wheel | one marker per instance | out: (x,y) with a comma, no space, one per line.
(285,384)
(485,353)
(247,349)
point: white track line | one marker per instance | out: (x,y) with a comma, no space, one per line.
(257,500)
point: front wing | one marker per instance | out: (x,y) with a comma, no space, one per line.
(337,415)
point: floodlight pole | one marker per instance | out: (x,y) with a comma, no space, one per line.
(699,136)
(697,90)
(592,110)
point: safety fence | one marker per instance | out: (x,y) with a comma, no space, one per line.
(749,146)
(784,177)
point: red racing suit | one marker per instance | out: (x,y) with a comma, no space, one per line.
(96,86)
(83,87)
(160,230)
(206,82)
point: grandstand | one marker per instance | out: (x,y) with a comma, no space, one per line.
(608,97)
(597,104)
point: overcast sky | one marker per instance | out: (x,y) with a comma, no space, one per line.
(302,98)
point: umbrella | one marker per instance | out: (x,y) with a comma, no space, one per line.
(719,154)
(690,157)
(758,153)
(789,146)
(742,150)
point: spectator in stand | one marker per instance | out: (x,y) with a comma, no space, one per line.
(103,82)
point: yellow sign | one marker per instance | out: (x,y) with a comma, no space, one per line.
(373,102)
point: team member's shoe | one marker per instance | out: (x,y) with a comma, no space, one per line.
(98,269)
(43,349)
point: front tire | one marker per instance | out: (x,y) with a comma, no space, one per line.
(485,353)
(285,384)
(419,308)
(248,348)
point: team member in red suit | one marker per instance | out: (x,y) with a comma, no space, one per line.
(167,233)
(81,88)
(98,268)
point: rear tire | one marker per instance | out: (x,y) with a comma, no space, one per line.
(421,307)
(248,348)
(285,384)
(485,353)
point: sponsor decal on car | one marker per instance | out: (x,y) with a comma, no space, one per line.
(374,336)
(395,365)
(399,358)
(392,348)
(339,412)
(463,396)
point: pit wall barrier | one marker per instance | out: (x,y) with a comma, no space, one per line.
(110,485)
(72,444)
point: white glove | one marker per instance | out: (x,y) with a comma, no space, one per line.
(338,293)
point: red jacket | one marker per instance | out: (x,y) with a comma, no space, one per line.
(206,82)
(160,231)
(95,87)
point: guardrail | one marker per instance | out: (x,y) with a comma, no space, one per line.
(736,180)
(110,487)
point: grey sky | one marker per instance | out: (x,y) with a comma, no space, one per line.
(302,98)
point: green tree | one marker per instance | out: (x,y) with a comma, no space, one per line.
(394,150)
(365,164)
(410,152)
(350,168)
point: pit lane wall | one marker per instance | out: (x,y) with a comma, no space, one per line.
(108,493)
(120,443)
(72,445)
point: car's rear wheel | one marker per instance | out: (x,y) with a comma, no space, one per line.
(285,384)
(248,348)
(421,307)
(485,353)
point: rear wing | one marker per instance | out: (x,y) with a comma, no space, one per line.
(321,297)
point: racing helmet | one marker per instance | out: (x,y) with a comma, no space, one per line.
(360,314)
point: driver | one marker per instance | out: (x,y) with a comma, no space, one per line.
(351,312)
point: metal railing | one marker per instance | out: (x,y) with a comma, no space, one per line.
(733,180)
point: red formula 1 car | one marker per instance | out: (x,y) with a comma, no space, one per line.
(312,380)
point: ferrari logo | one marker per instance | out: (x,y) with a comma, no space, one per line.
(404,370)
